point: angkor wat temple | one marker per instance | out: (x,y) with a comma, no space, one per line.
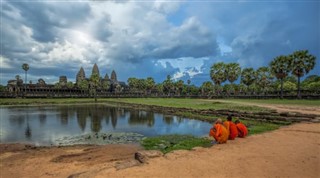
(82,86)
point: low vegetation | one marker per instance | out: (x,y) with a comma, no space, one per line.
(169,143)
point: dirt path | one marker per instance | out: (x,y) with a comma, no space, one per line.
(281,107)
(292,151)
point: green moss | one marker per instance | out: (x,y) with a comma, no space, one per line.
(168,143)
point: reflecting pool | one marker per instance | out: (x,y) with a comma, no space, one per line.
(44,125)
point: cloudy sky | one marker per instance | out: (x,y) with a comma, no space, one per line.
(151,38)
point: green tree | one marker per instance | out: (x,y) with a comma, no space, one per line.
(106,85)
(301,63)
(310,79)
(248,76)
(264,78)
(280,67)
(168,85)
(133,83)
(233,72)
(179,86)
(94,83)
(70,85)
(206,88)
(25,67)
(150,83)
(218,73)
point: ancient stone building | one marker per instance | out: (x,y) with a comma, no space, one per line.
(63,80)
(95,69)
(113,76)
(80,76)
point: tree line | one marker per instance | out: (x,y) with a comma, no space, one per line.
(284,73)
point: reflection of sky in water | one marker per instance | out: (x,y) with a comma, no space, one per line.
(44,125)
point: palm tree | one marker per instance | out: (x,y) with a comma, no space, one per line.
(280,67)
(217,73)
(150,83)
(264,78)
(248,76)
(25,67)
(95,80)
(233,72)
(301,63)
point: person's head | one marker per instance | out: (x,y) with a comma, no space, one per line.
(218,121)
(229,118)
(237,121)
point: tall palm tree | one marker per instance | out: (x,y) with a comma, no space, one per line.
(25,67)
(233,72)
(217,73)
(264,77)
(280,67)
(95,81)
(301,63)
(248,76)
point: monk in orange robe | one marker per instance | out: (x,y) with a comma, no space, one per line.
(242,129)
(219,132)
(231,127)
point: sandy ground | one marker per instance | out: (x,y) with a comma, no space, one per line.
(291,151)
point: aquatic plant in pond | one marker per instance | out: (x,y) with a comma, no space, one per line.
(100,139)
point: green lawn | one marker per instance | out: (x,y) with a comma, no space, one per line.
(189,103)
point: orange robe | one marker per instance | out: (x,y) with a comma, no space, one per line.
(243,131)
(232,128)
(219,133)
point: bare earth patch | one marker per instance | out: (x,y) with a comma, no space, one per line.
(291,151)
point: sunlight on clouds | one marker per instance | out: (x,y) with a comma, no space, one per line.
(79,37)
(188,65)
(5,62)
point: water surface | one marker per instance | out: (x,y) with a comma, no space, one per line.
(44,125)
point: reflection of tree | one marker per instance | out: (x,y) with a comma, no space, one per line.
(42,118)
(82,114)
(27,132)
(64,115)
(179,119)
(168,119)
(20,119)
(96,118)
(141,117)
(113,115)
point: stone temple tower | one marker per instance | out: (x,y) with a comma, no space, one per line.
(95,69)
(113,76)
(80,75)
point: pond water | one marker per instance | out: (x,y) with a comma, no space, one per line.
(45,125)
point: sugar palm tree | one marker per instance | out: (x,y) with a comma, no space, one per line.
(25,67)
(248,76)
(233,72)
(301,63)
(95,81)
(217,73)
(264,78)
(280,67)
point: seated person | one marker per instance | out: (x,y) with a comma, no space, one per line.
(219,132)
(231,127)
(242,129)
